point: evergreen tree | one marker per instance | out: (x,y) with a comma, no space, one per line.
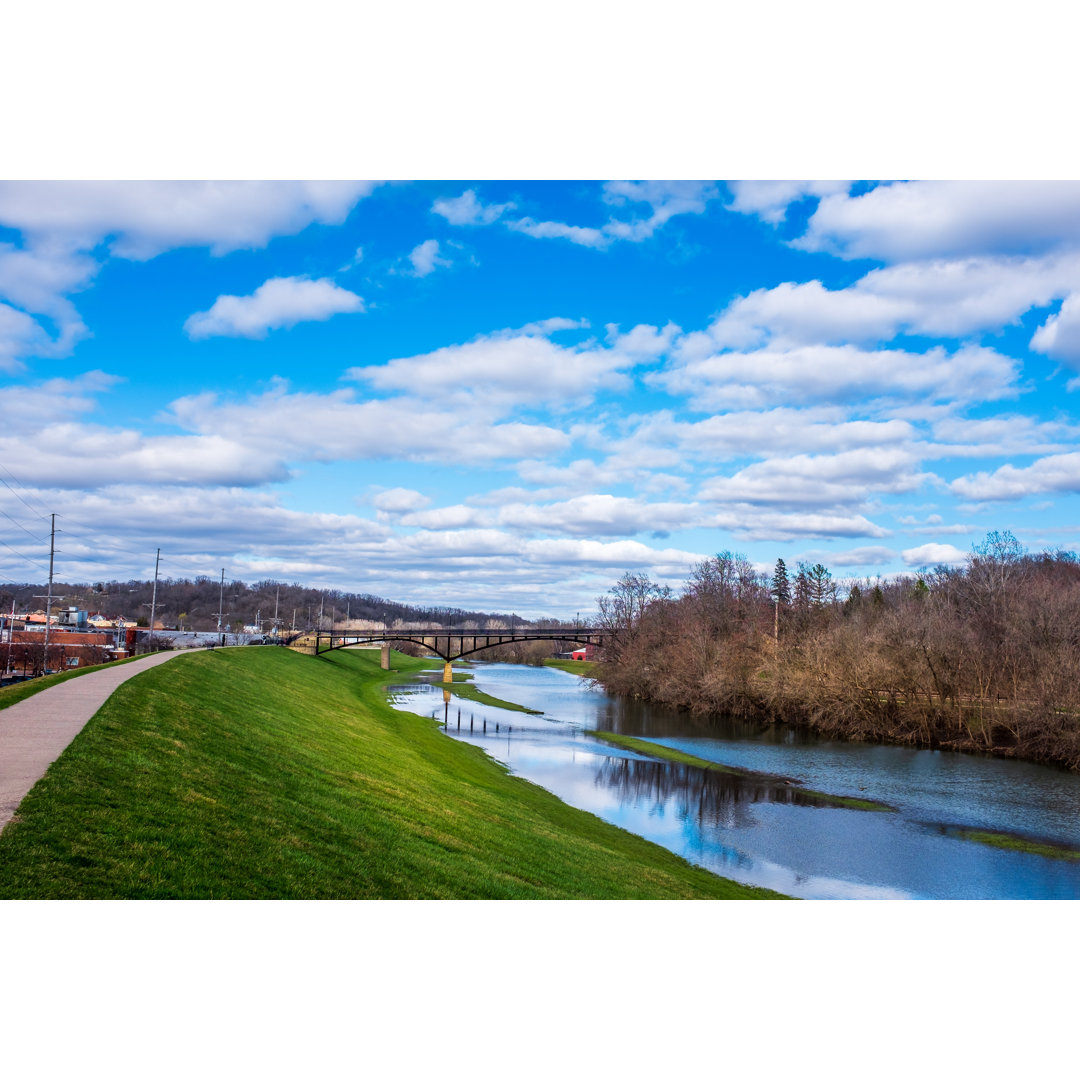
(781,586)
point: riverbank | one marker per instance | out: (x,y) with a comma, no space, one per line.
(262,773)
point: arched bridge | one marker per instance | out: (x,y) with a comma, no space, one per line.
(454,644)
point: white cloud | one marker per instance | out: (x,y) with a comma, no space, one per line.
(930,218)
(816,373)
(503,370)
(1059,336)
(467,209)
(89,456)
(141,219)
(19,335)
(547,230)
(818,480)
(770,199)
(862,556)
(275,304)
(748,522)
(664,198)
(933,555)
(334,427)
(1058,472)
(950,298)
(28,408)
(425,259)
(398,501)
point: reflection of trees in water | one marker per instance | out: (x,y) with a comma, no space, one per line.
(712,797)
(648,721)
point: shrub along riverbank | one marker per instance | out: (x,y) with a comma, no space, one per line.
(261,773)
(983,657)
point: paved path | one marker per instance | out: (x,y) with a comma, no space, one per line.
(36,731)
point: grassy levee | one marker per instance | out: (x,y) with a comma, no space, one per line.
(262,773)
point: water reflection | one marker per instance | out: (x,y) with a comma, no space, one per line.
(760,829)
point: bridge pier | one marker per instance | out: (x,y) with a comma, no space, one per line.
(384,658)
(448,672)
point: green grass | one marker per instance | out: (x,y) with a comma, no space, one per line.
(585,668)
(1016,843)
(9,695)
(263,773)
(667,753)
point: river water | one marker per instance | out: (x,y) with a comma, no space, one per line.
(760,829)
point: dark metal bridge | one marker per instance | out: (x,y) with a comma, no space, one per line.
(454,644)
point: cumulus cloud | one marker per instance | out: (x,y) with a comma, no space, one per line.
(818,480)
(932,218)
(503,370)
(275,304)
(664,199)
(933,555)
(950,298)
(1059,336)
(80,456)
(816,373)
(467,209)
(335,426)
(770,199)
(141,219)
(1058,472)
(425,259)
(397,501)
(749,522)
(861,556)
(29,407)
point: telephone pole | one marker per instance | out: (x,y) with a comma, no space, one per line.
(48,606)
(221,600)
(153,601)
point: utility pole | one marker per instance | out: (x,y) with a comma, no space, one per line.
(322,600)
(153,601)
(48,606)
(221,599)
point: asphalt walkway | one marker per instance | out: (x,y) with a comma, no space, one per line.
(36,731)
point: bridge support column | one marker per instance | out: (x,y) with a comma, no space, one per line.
(384,658)
(448,672)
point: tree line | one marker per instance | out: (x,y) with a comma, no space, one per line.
(193,604)
(983,656)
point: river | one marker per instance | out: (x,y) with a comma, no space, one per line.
(760,829)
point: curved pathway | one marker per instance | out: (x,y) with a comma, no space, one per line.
(36,731)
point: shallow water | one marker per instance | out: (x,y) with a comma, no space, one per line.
(761,830)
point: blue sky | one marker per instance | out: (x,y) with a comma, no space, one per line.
(503,395)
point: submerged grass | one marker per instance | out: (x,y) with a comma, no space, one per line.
(667,753)
(461,687)
(1017,843)
(263,773)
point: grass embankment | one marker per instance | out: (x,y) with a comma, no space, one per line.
(585,668)
(1017,843)
(9,695)
(667,753)
(248,773)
